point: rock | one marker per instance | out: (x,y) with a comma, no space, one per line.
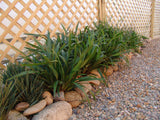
(59,97)
(60,110)
(139,106)
(130,55)
(48,97)
(15,115)
(108,71)
(95,72)
(95,82)
(48,100)
(21,106)
(35,108)
(115,67)
(46,94)
(122,62)
(73,98)
(139,49)
(87,87)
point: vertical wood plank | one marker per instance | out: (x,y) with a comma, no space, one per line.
(99,10)
(103,10)
(152,18)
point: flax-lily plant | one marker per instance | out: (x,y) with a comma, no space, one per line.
(26,82)
(8,98)
(110,41)
(60,61)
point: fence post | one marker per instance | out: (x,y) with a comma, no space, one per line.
(152,18)
(101,10)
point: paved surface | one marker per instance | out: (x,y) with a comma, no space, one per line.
(133,92)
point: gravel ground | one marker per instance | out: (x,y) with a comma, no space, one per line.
(133,92)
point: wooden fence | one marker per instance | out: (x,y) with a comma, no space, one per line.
(37,16)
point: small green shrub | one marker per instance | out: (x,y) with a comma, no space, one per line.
(8,99)
(12,70)
(26,84)
(29,88)
(132,39)
(59,61)
(110,41)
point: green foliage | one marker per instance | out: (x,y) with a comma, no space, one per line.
(60,60)
(29,88)
(57,63)
(110,41)
(12,70)
(132,39)
(19,85)
(8,98)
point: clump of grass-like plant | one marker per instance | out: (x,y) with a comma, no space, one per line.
(110,41)
(59,61)
(8,99)
(132,39)
(29,88)
(19,85)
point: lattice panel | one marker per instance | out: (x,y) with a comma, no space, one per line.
(156,28)
(130,13)
(37,16)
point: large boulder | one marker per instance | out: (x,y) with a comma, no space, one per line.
(61,110)
(15,115)
(35,108)
(73,98)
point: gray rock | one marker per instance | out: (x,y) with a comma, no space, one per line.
(15,115)
(60,96)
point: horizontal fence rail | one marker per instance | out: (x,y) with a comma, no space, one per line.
(37,16)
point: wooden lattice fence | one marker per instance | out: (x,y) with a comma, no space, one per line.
(156,18)
(130,13)
(37,16)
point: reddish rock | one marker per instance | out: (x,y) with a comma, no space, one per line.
(95,72)
(108,71)
(115,67)
(48,97)
(95,82)
(21,106)
(35,108)
(73,98)
(87,87)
